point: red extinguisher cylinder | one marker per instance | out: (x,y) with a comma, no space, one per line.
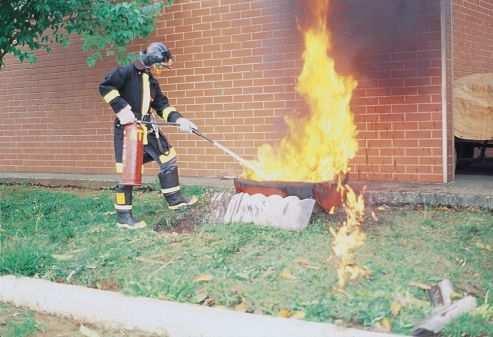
(133,154)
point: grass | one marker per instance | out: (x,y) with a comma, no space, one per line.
(22,324)
(71,237)
(24,327)
(471,325)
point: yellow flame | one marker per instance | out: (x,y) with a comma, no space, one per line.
(319,146)
(349,237)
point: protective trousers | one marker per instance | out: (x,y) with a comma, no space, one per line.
(159,150)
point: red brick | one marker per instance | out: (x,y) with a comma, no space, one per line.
(237,66)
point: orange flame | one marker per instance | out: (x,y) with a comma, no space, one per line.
(317,147)
(349,238)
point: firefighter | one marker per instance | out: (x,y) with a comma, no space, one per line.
(131,91)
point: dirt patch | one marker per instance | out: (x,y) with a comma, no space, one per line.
(178,226)
(186,220)
(51,326)
(108,284)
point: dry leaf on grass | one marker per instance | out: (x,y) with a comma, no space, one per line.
(243,307)
(88,332)
(202,297)
(286,313)
(298,314)
(384,325)
(63,257)
(305,263)
(222,307)
(302,261)
(484,246)
(420,285)
(408,300)
(395,308)
(285,274)
(203,278)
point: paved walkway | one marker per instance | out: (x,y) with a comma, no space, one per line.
(466,191)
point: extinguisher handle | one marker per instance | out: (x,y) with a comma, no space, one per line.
(157,124)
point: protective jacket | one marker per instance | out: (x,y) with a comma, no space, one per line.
(135,86)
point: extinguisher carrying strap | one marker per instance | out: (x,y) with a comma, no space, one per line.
(152,128)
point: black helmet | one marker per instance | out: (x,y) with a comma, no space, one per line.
(156,53)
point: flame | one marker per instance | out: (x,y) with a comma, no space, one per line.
(317,147)
(349,237)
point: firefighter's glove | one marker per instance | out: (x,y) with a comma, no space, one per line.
(186,125)
(126,116)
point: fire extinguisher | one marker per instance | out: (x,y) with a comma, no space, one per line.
(133,154)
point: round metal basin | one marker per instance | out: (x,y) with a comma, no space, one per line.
(325,193)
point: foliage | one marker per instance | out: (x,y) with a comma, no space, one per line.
(28,259)
(105,26)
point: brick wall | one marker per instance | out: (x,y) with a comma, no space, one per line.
(472,37)
(397,61)
(51,119)
(237,63)
(237,67)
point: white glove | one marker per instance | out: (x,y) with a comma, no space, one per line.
(126,115)
(186,125)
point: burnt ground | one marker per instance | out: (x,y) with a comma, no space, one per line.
(186,220)
(190,219)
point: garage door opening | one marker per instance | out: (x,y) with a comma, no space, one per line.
(473,124)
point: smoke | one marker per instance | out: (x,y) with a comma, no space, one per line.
(365,32)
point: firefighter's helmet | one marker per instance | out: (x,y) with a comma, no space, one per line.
(157,53)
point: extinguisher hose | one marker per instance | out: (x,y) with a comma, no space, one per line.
(245,163)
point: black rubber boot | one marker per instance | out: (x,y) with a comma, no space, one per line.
(177,200)
(123,206)
(126,220)
(170,188)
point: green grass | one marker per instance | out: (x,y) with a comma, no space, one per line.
(71,237)
(23,325)
(476,323)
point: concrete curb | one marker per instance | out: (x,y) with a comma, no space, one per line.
(114,310)
(99,180)
(399,198)
(467,193)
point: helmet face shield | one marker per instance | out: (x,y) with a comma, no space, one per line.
(166,63)
(157,55)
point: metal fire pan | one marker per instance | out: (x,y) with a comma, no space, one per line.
(325,193)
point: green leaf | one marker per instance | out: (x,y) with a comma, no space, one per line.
(103,25)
